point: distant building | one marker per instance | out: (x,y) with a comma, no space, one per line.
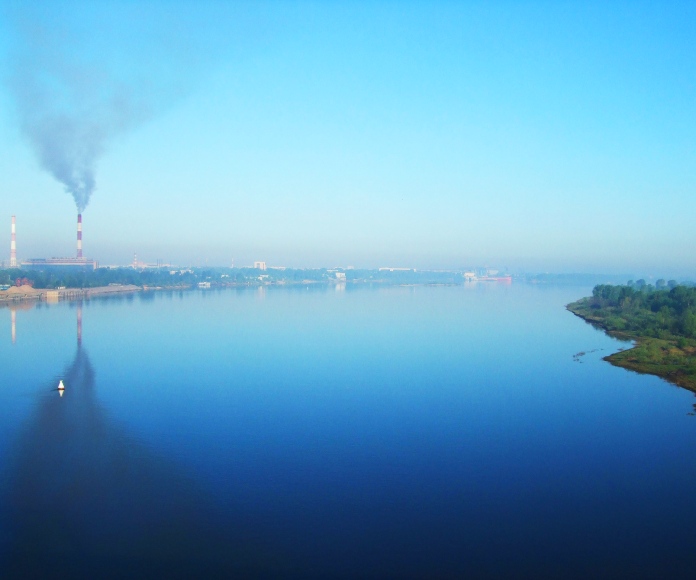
(341,276)
(60,264)
(204,284)
(260,265)
(137,265)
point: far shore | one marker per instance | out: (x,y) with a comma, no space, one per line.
(25,293)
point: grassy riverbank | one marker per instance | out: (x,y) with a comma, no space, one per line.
(661,322)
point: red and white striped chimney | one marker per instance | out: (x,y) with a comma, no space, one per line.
(79,236)
(13,244)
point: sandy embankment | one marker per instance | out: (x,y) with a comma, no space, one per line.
(17,293)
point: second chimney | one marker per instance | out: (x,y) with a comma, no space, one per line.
(79,236)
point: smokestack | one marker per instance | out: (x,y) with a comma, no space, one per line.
(79,236)
(13,244)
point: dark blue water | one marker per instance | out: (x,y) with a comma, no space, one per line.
(389,432)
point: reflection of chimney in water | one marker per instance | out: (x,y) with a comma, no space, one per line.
(79,236)
(79,324)
(13,314)
(13,245)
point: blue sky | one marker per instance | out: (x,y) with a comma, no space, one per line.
(541,136)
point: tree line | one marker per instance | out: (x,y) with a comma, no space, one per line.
(58,278)
(664,311)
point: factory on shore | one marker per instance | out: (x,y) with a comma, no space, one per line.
(79,262)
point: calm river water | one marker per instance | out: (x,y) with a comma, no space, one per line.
(359,432)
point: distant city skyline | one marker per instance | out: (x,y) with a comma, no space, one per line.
(534,136)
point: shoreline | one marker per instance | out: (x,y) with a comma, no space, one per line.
(663,367)
(27,293)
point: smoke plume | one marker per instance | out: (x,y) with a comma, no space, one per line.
(69,103)
(84,72)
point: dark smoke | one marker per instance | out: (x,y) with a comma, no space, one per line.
(68,151)
(69,105)
(84,72)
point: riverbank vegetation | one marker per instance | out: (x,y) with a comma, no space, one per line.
(63,278)
(661,319)
(52,278)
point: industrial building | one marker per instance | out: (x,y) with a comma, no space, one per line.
(77,263)
(62,263)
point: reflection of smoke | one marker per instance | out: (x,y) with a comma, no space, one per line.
(86,498)
(79,324)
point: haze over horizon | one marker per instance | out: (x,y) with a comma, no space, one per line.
(539,136)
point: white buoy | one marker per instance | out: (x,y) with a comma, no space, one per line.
(61,388)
